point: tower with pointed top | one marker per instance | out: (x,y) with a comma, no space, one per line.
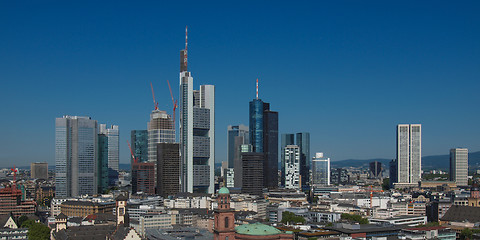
(197,131)
(263,128)
(224,226)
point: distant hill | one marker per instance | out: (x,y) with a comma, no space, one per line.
(428,162)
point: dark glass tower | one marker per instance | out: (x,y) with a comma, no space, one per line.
(303,141)
(264,139)
(139,139)
(102,163)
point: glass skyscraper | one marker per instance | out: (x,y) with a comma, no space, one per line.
(233,147)
(160,130)
(112,135)
(139,144)
(102,163)
(320,170)
(75,156)
(263,130)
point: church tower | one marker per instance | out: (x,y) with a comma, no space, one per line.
(121,210)
(224,228)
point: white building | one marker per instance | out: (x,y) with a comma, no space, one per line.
(409,153)
(459,166)
(160,130)
(197,132)
(320,170)
(152,221)
(402,220)
(292,167)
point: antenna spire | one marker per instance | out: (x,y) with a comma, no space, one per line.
(257,88)
(186,47)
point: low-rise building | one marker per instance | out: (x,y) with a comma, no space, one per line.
(401,220)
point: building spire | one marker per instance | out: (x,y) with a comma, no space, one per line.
(257,88)
(186,47)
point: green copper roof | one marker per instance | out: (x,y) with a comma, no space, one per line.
(223,190)
(257,229)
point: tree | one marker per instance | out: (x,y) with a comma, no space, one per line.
(466,234)
(38,231)
(289,217)
(21,219)
(354,218)
(386,184)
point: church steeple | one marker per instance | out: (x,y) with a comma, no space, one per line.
(224,217)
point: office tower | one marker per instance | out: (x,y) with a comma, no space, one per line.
(375,169)
(339,176)
(168,169)
(292,167)
(238,164)
(197,132)
(252,178)
(409,153)
(263,130)
(232,132)
(393,172)
(102,163)
(320,170)
(143,178)
(303,141)
(39,170)
(459,166)
(160,130)
(139,144)
(113,143)
(286,139)
(75,156)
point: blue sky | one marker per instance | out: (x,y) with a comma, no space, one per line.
(345,71)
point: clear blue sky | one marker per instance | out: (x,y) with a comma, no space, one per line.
(345,71)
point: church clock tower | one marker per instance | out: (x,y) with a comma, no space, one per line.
(224,228)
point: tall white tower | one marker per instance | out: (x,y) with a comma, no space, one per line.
(197,132)
(292,166)
(459,166)
(409,153)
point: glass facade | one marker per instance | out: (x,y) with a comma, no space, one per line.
(320,170)
(102,163)
(160,130)
(256,125)
(232,132)
(139,141)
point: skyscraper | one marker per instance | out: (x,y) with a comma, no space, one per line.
(252,177)
(102,163)
(113,143)
(168,169)
(320,170)
(409,153)
(232,132)
(75,156)
(197,132)
(459,166)
(292,167)
(139,140)
(160,130)
(375,169)
(263,130)
(303,142)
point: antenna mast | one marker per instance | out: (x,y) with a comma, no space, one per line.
(257,88)
(185,57)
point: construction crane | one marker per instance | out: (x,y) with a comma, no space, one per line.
(155,103)
(371,194)
(14,170)
(131,152)
(174,102)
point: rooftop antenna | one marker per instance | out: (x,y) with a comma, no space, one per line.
(14,170)
(185,57)
(257,88)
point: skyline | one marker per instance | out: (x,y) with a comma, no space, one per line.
(347,73)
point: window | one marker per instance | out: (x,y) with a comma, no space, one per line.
(226,222)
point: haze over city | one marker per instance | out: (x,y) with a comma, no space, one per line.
(347,72)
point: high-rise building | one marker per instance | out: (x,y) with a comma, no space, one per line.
(286,139)
(375,169)
(102,163)
(197,132)
(459,166)
(113,143)
(409,153)
(139,140)
(339,176)
(160,130)
(75,156)
(252,178)
(143,177)
(238,164)
(263,130)
(232,132)
(39,170)
(303,142)
(168,169)
(292,167)
(320,170)
(393,172)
